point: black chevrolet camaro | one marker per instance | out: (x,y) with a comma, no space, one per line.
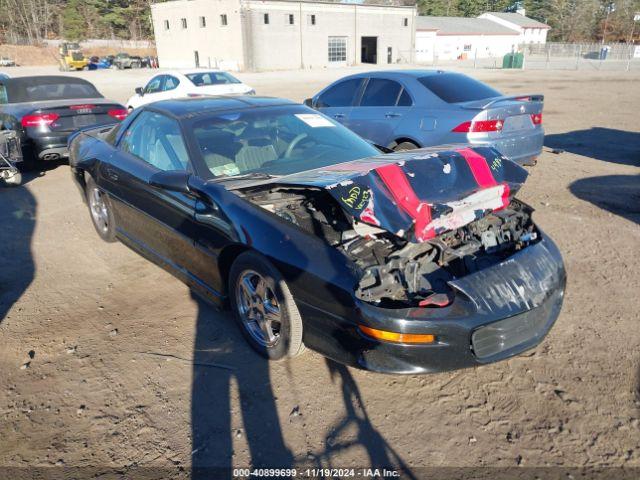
(409,262)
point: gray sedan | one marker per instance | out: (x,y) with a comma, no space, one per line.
(407,109)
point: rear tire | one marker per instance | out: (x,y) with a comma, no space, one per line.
(402,146)
(264,307)
(101,211)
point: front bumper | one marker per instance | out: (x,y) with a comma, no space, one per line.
(497,313)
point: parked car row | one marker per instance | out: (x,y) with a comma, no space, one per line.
(405,262)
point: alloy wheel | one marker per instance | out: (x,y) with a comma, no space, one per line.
(99,211)
(258,308)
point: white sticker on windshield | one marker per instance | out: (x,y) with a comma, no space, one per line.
(314,120)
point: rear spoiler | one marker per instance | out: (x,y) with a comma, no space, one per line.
(536,97)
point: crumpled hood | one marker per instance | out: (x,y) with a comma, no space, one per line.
(419,194)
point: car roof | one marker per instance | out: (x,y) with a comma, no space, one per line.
(415,73)
(186,107)
(17,86)
(43,80)
(188,71)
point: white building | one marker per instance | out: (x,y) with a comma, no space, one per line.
(451,38)
(280,34)
(530,30)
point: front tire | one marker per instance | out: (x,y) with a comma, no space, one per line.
(264,307)
(101,212)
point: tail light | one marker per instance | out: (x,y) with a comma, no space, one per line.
(40,119)
(536,118)
(118,113)
(194,95)
(480,126)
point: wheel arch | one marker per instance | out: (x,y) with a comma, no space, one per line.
(399,140)
(226,258)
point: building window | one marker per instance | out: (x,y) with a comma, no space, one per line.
(405,22)
(288,19)
(312,19)
(266,18)
(166,24)
(223,19)
(203,22)
(337,49)
(467,47)
(183,22)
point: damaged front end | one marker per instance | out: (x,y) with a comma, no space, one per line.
(411,223)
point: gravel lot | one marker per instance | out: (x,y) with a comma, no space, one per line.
(108,361)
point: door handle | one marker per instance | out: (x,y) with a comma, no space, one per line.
(338,115)
(112,174)
(392,115)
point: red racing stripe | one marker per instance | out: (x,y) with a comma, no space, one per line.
(404,195)
(479,167)
(482,173)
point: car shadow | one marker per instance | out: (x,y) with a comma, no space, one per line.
(606,144)
(618,194)
(222,362)
(380,453)
(40,169)
(18,209)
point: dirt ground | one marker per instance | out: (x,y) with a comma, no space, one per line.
(107,361)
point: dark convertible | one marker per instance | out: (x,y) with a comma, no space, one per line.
(42,111)
(409,262)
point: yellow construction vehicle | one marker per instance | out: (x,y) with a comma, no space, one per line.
(71,57)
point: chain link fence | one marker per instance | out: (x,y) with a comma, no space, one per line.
(581,56)
(557,56)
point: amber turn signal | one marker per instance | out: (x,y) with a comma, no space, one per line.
(397,337)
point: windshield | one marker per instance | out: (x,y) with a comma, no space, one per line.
(204,79)
(456,87)
(275,141)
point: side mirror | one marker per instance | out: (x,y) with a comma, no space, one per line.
(309,102)
(139,91)
(173,180)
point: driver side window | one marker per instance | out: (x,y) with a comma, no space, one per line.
(340,95)
(155,85)
(157,140)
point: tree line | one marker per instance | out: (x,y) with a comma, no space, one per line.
(570,20)
(32,21)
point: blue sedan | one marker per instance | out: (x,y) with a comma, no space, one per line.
(408,109)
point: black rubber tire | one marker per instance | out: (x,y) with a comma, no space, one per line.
(108,235)
(402,146)
(289,343)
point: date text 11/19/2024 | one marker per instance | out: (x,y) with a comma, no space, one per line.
(247,473)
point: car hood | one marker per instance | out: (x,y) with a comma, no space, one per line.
(420,194)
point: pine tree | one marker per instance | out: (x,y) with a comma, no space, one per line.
(73,22)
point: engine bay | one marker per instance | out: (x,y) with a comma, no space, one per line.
(396,273)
